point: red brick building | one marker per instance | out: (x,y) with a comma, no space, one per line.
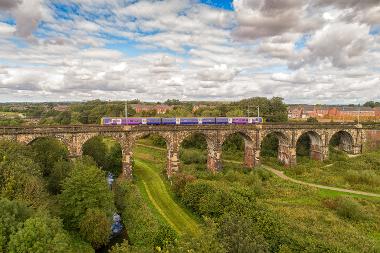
(338,113)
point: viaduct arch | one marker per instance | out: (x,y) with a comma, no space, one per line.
(350,138)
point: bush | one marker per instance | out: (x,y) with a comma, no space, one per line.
(95,227)
(85,188)
(190,156)
(165,236)
(193,193)
(239,233)
(180,180)
(367,177)
(40,234)
(346,207)
(12,216)
(140,223)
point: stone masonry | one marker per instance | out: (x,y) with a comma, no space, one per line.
(350,136)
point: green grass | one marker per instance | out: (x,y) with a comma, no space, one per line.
(10,114)
(159,197)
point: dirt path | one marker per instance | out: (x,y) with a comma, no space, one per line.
(283,176)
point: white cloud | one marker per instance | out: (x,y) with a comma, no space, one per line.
(305,51)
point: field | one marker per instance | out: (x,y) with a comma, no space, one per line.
(356,173)
(340,221)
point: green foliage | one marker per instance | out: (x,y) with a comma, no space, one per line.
(269,146)
(59,172)
(20,176)
(172,102)
(11,122)
(40,234)
(47,152)
(364,177)
(239,233)
(233,143)
(303,145)
(12,216)
(206,242)
(165,236)
(179,112)
(180,180)
(158,140)
(140,223)
(273,110)
(346,207)
(196,140)
(95,227)
(235,113)
(190,156)
(85,188)
(106,153)
(312,120)
(210,113)
(372,104)
(97,149)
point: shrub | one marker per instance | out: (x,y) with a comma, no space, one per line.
(239,233)
(346,207)
(193,193)
(189,156)
(367,177)
(140,223)
(95,227)
(12,215)
(180,180)
(349,208)
(165,236)
(40,234)
(86,187)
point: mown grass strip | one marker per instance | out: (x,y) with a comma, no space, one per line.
(162,200)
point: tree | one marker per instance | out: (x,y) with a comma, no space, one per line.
(85,188)
(40,235)
(47,152)
(312,120)
(97,149)
(172,102)
(20,176)
(12,216)
(59,172)
(95,227)
(235,113)
(371,104)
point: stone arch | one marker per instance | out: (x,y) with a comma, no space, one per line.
(213,147)
(81,139)
(251,153)
(317,146)
(130,142)
(345,140)
(285,152)
(29,139)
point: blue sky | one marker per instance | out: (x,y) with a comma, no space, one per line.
(324,52)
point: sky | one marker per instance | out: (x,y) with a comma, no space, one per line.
(306,51)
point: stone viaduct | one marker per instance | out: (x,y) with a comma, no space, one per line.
(351,139)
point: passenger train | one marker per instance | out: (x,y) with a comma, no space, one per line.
(182,121)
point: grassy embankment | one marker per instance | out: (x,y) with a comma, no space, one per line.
(325,216)
(149,165)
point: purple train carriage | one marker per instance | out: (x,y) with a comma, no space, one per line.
(182,121)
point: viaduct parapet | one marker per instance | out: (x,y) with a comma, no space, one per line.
(351,139)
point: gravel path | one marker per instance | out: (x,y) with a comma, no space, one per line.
(283,176)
